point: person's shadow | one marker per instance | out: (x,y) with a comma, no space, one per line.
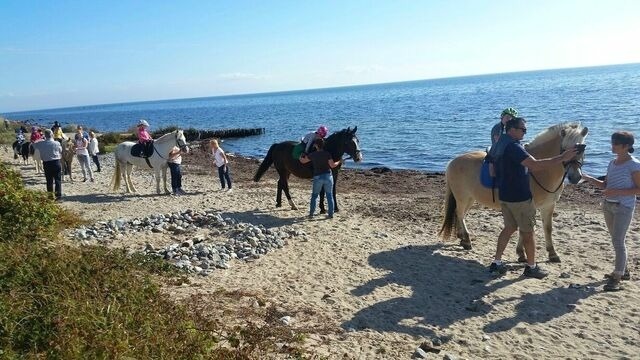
(446,289)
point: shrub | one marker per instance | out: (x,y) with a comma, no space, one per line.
(26,215)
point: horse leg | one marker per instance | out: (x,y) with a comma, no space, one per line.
(279,193)
(288,195)
(547,225)
(461,226)
(164,179)
(157,176)
(128,169)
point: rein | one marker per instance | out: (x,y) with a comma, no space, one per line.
(566,165)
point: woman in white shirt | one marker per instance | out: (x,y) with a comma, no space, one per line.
(222,163)
(93,149)
(81,144)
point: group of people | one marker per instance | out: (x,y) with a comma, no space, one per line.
(174,161)
(513,163)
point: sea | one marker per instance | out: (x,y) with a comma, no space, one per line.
(418,125)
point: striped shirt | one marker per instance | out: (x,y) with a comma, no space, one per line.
(619,176)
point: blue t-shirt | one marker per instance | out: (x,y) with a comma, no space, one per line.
(514,177)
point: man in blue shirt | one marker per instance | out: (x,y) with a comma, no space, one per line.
(516,202)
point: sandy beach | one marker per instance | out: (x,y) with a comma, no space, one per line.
(376,281)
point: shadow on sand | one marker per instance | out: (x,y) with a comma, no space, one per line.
(447,290)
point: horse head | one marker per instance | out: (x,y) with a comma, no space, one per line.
(181,141)
(345,141)
(174,138)
(572,134)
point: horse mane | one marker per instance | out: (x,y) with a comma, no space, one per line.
(174,132)
(552,132)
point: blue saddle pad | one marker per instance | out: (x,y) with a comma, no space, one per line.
(485,177)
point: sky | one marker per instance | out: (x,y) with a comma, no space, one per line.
(69,53)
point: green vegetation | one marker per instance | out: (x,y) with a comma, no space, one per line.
(65,302)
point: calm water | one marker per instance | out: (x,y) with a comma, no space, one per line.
(413,125)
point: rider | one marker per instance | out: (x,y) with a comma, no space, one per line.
(311,137)
(19,136)
(498,129)
(144,137)
(35,135)
(58,134)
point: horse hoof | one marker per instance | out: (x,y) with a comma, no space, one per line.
(293,207)
(278,205)
(465,245)
(322,211)
(554,259)
(522,259)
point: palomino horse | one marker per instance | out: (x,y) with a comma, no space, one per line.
(157,161)
(68,153)
(35,154)
(280,155)
(464,187)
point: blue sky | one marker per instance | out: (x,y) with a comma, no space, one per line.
(68,53)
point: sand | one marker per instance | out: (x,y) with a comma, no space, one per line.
(376,281)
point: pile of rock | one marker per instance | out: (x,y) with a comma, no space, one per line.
(200,253)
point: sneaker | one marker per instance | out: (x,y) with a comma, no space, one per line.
(498,268)
(230,190)
(534,272)
(613,285)
(626,276)
(181,192)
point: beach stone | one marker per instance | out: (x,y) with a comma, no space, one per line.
(419,354)
(449,357)
(286,320)
(565,275)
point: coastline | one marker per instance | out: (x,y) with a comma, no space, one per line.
(378,281)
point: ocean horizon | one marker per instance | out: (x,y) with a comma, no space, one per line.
(420,124)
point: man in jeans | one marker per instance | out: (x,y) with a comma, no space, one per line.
(322,176)
(516,202)
(51,153)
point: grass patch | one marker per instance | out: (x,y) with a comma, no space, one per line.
(65,302)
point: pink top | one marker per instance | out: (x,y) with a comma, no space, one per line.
(143,135)
(35,136)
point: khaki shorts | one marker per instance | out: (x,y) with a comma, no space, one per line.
(520,215)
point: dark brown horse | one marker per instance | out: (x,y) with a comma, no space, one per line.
(280,155)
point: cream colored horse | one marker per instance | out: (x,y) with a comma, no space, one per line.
(464,187)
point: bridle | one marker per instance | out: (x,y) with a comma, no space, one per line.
(181,144)
(564,176)
(357,151)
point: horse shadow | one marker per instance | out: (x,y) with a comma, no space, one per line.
(543,307)
(445,290)
(263,217)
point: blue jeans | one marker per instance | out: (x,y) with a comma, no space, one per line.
(176,176)
(322,181)
(223,173)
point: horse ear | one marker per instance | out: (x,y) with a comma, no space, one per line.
(585,131)
(354,130)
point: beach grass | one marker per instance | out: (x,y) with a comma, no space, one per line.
(62,301)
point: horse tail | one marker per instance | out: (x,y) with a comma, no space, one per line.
(116,176)
(450,217)
(264,166)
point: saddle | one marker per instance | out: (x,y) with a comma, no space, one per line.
(298,150)
(142,150)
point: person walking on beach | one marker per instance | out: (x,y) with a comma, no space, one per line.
(175,159)
(222,163)
(311,137)
(144,137)
(621,185)
(322,177)
(85,135)
(51,153)
(516,203)
(81,144)
(499,128)
(93,149)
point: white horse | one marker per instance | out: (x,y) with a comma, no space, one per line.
(158,161)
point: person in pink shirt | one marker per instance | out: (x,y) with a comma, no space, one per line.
(35,135)
(144,137)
